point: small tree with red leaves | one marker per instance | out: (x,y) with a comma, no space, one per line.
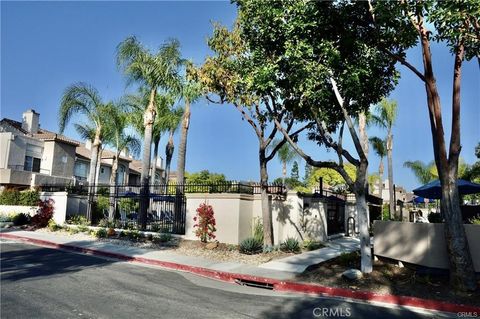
(44,213)
(205,223)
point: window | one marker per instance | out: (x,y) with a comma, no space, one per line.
(102,170)
(81,170)
(32,164)
(120,175)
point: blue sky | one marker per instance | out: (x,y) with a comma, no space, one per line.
(46,46)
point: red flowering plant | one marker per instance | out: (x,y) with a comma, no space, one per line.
(44,213)
(205,223)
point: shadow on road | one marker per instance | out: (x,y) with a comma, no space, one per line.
(18,263)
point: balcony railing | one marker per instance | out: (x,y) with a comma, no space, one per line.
(22,168)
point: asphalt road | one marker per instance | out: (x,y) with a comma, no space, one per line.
(39,282)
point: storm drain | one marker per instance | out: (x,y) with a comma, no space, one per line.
(255,284)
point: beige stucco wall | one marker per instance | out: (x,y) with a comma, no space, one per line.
(9,176)
(422,244)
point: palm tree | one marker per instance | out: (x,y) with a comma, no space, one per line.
(116,137)
(425,173)
(191,91)
(170,122)
(380,148)
(81,98)
(286,155)
(154,72)
(385,116)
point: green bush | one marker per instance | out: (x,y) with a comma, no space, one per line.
(290,245)
(105,223)
(21,219)
(250,246)
(166,237)
(6,218)
(83,228)
(101,233)
(475,220)
(77,220)
(9,197)
(128,204)
(73,230)
(132,234)
(29,198)
(311,245)
(53,226)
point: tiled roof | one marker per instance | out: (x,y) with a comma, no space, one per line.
(42,134)
(83,152)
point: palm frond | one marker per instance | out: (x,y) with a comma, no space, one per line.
(379,146)
(85,131)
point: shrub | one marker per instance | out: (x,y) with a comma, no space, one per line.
(6,218)
(77,220)
(29,198)
(111,232)
(435,218)
(53,226)
(290,245)
(133,234)
(73,230)
(166,237)
(83,228)
(9,197)
(149,237)
(20,219)
(205,223)
(101,233)
(269,249)
(105,223)
(475,220)
(44,213)
(250,246)
(311,245)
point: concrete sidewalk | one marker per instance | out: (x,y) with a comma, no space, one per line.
(298,263)
(157,255)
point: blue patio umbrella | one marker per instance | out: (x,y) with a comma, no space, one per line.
(128,194)
(433,189)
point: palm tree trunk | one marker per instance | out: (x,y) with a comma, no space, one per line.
(391,194)
(113,187)
(266,213)
(92,173)
(182,147)
(153,171)
(284,171)
(380,183)
(99,165)
(148,120)
(168,157)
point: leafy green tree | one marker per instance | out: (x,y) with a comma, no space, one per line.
(331,178)
(153,71)
(380,148)
(226,75)
(295,171)
(326,79)
(81,98)
(385,116)
(455,23)
(307,173)
(204,177)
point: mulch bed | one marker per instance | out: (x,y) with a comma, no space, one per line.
(388,278)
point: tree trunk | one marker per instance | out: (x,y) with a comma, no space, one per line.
(182,147)
(92,173)
(380,172)
(391,194)
(284,171)
(266,213)
(153,170)
(360,188)
(148,120)
(113,187)
(168,157)
(99,165)
(462,273)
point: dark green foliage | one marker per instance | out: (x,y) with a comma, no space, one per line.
(250,246)
(312,245)
(9,197)
(83,228)
(21,219)
(105,223)
(290,245)
(295,175)
(166,237)
(77,220)
(101,233)
(29,198)
(290,182)
(348,259)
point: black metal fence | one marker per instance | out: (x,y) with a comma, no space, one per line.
(166,210)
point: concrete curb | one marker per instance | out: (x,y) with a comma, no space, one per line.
(278,285)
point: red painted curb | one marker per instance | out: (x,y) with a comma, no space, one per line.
(286,286)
